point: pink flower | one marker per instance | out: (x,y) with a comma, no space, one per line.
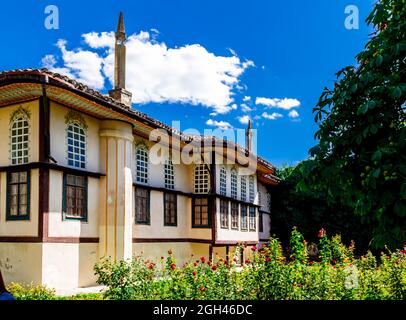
(254,248)
(322,233)
(173,266)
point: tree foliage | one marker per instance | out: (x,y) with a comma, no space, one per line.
(360,160)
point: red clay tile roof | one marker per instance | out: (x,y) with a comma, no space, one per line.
(45,76)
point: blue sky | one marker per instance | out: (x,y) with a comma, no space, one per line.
(265,49)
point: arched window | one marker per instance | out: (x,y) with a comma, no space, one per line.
(251,189)
(243,188)
(141,160)
(234,183)
(201,179)
(169,174)
(223,181)
(76,145)
(19,138)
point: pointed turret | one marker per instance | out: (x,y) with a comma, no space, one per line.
(119,92)
(248,136)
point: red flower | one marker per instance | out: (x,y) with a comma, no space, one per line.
(151,266)
(162,258)
(248,261)
(311,263)
(214,268)
(173,266)
(322,233)
(202,259)
(170,251)
(254,248)
(235,259)
(202,289)
(268,259)
(195,264)
(194,273)
(334,261)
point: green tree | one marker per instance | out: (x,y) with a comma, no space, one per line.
(359,161)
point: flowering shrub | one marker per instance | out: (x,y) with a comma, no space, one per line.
(270,273)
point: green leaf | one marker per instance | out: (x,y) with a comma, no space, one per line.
(396,92)
(377,156)
(379,60)
(376,172)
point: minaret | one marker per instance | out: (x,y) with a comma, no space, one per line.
(119,92)
(248,137)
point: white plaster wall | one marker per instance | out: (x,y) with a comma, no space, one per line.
(156,229)
(72,228)
(21,262)
(266,226)
(5,112)
(60,263)
(265,197)
(59,140)
(88,257)
(20,227)
(182,251)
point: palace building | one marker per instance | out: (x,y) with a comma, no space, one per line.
(78,182)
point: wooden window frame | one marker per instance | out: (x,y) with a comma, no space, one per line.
(244,218)
(194,206)
(18,217)
(235,216)
(147,207)
(142,161)
(261,222)
(174,208)
(17,146)
(71,147)
(65,215)
(224,219)
(252,209)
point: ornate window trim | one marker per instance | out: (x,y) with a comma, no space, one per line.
(234,183)
(138,178)
(25,115)
(73,118)
(223,181)
(201,179)
(169,174)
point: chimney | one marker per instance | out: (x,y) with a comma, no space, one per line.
(119,92)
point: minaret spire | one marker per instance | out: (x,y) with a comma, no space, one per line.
(119,92)
(248,136)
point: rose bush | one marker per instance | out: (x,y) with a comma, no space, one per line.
(269,273)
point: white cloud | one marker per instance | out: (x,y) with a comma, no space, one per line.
(244,119)
(155,72)
(223,125)
(245,107)
(293,114)
(272,116)
(285,103)
(246,98)
(79,64)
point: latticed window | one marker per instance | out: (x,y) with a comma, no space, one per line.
(19,140)
(252,222)
(234,215)
(76,145)
(141,160)
(169,174)
(243,188)
(223,181)
(75,197)
(234,183)
(170,209)
(224,214)
(18,195)
(244,217)
(201,212)
(142,215)
(251,189)
(201,177)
